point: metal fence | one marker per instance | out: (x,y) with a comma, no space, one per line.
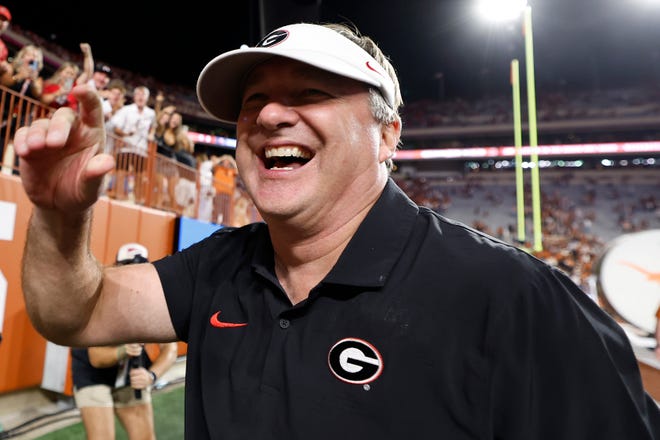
(151,180)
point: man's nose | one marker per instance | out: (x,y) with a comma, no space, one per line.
(276,114)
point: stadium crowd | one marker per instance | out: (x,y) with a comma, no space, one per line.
(639,101)
(581,211)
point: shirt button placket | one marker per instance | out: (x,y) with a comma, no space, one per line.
(284,323)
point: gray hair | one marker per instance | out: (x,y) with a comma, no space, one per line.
(382,112)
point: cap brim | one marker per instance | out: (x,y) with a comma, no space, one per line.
(220,83)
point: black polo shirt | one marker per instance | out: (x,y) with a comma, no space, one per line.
(425,328)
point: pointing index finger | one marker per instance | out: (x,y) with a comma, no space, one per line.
(90,108)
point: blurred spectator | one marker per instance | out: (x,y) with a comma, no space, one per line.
(132,124)
(177,136)
(58,86)
(101,78)
(158,107)
(5,20)
(23,77)
(23,74)
(114,100)
(206,189)
(158,133)
(166,171)
(119,379)
(225,173)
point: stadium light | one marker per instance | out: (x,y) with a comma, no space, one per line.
(500,10)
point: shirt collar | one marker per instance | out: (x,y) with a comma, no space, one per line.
(377,244)
(374,249)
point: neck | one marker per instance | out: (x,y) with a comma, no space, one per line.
(304,258)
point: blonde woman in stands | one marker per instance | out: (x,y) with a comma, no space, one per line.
(24,73)
(166,170)
(158,105)
(176,136)
(158,133)
(23,76)
(58,86)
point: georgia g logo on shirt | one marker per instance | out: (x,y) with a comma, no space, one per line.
(355,361)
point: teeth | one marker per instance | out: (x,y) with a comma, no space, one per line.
(287,152)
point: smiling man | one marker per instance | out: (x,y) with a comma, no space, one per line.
(350,312)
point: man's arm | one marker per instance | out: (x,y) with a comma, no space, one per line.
(107,356)
(70,298)
(166,358)
(88,64)
(54,261)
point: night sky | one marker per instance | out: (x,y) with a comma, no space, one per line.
(578,44)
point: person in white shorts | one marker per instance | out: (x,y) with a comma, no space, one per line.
(118,379)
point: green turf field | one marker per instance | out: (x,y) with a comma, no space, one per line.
(168,417)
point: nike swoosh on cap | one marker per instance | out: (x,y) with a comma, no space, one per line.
(215,322)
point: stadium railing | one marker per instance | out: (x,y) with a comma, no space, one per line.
(154,180)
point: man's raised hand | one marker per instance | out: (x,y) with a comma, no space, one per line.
(60,164)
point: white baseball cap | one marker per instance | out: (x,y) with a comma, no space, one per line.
(220,84)
(129,251)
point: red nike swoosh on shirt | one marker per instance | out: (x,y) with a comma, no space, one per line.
(215,322)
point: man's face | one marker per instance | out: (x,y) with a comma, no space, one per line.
(116,95)
(140,97)
(307,141)
(101,80)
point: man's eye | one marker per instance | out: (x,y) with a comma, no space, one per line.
(255,97)
(313,92)
(253,101)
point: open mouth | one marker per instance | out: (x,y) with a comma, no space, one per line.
(286,158)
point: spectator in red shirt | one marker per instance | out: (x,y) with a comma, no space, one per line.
(5,20)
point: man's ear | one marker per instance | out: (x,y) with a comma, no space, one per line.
(389,139)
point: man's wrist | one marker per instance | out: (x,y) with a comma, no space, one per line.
(154,377)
